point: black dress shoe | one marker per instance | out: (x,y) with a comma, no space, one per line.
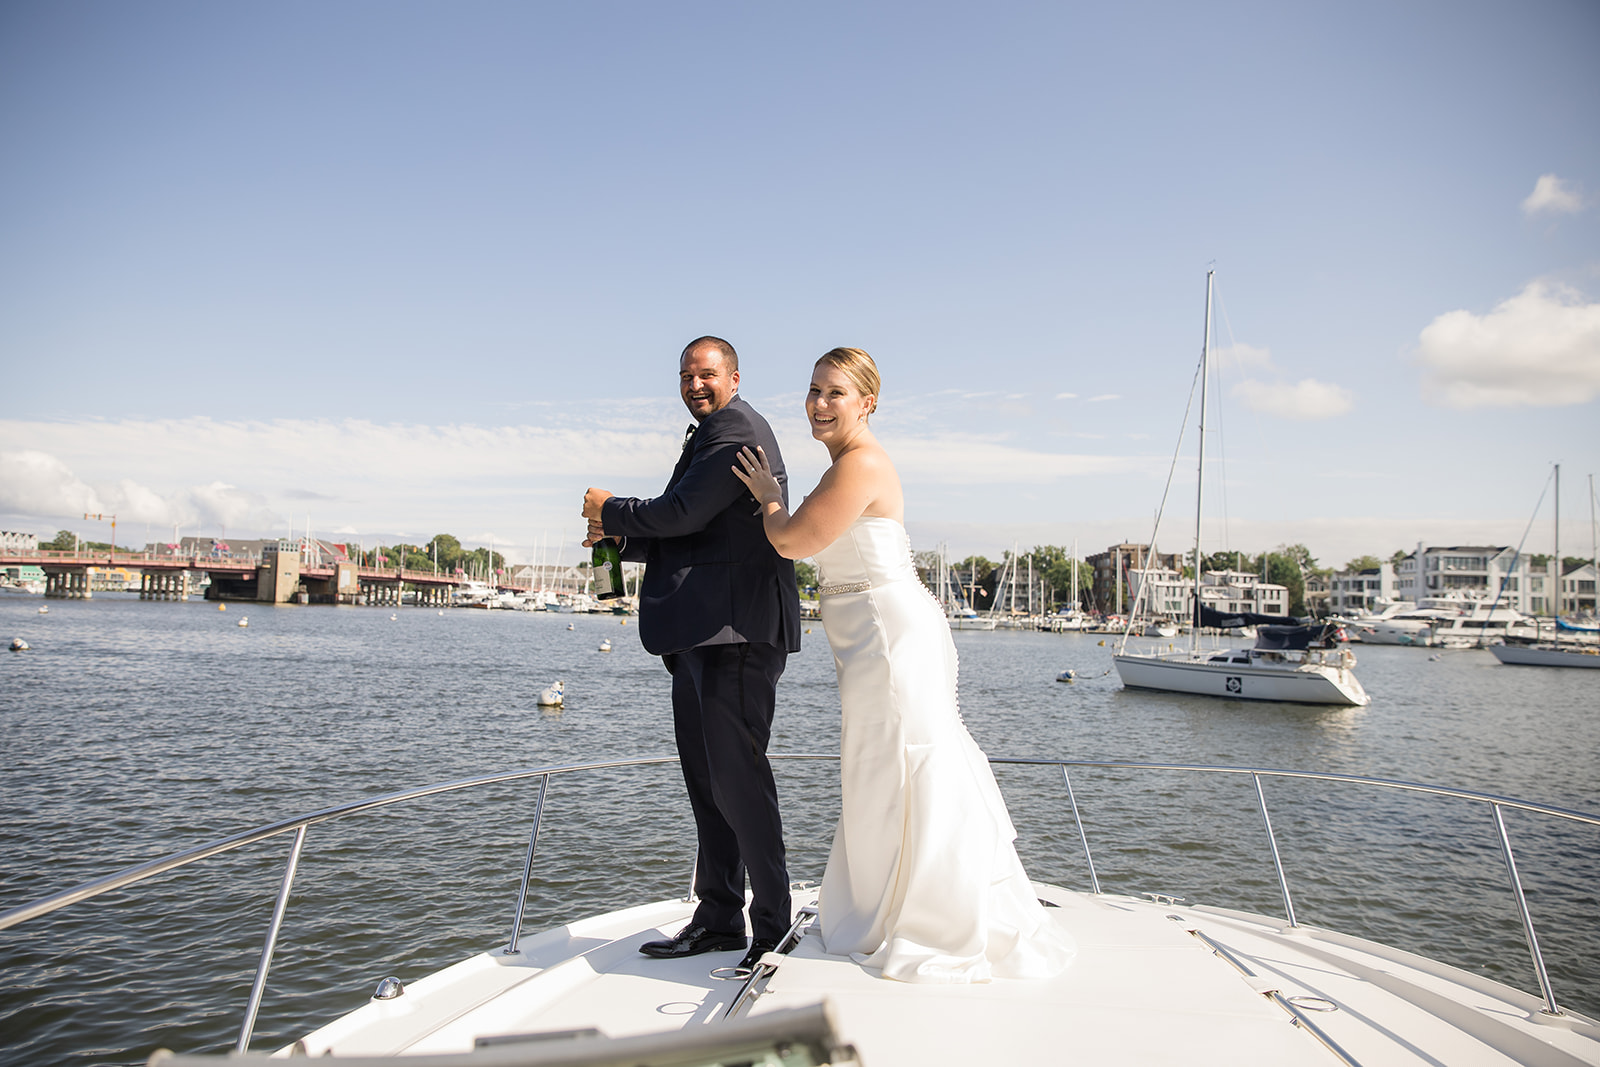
(758,948)
(691,941)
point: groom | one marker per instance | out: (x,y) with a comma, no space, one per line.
(719,607)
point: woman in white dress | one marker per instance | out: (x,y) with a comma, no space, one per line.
(923,881)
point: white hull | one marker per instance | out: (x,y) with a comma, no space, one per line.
(1525,656)
(1155,981)
(1286,681)
(1147,987)
(961,622)
(1391,633)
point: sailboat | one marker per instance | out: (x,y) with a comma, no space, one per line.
(1294,664)
(958,611)
(1549,653)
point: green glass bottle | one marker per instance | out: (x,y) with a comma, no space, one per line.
(606,562)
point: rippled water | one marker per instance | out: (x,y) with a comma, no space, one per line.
(136,729)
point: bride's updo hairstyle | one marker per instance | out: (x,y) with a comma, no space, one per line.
(859,368)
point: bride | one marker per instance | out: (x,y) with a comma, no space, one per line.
(923,882)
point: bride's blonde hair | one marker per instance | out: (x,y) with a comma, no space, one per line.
(859,368)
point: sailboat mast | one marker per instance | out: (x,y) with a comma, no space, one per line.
(1558,557)
(1200,470)
(1594,547)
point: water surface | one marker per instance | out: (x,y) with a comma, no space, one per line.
(135,729)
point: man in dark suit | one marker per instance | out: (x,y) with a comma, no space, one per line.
(719,606)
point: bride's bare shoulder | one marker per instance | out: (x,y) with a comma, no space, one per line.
(867,461)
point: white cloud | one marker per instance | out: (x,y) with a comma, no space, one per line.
(1243,355)
(1066,396)
(1305,399)
(1539,348)
(1553,195)
(966,459)
(1105,396)
(37,483)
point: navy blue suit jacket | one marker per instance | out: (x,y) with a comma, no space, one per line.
(711,576)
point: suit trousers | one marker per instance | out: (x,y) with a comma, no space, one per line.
(723,697)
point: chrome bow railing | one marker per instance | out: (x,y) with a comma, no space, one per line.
(299,825)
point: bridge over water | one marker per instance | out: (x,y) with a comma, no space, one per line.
(280,577)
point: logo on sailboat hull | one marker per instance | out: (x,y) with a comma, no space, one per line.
(1235,684)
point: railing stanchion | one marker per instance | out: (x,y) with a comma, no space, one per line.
(1550,1005)
(259,987)
(1277,861)
(527,867)
(1094,880)
(694,872)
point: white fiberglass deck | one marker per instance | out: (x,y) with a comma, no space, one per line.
(1143,989)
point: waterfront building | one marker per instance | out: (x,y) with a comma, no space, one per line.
(217,548)
(1525,583)
(11,541)
(1170,594)
(1316,595)
(1367,590)
(1113,588)
(1578,591)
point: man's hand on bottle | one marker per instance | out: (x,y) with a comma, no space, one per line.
(593,500)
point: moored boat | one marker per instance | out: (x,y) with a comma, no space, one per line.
(1547,654)
(1288,663)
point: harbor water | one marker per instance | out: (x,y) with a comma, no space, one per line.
(133,729)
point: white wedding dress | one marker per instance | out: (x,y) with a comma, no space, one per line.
(923,881)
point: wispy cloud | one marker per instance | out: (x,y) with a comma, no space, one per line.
(1305,399)
(1538,348)
(1553,196)
(1066,396)
(1243,356)
(967,459)
(1104,397)
(354,475)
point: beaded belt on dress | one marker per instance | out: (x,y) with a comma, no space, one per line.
(848,587)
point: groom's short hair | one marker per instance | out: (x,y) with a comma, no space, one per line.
(714,342)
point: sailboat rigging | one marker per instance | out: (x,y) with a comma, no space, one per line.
(1290,663)
(1548,653)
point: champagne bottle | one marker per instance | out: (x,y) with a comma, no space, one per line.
(606,564)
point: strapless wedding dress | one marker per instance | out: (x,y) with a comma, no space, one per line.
(923,881)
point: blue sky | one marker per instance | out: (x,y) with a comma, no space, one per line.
(400,268)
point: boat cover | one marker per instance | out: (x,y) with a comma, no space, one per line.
(1232,620)
(1289,638)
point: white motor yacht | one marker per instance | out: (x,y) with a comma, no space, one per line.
(1156,980)
(1481,623)
(1400,623)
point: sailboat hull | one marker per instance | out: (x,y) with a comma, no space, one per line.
(1525,656)
(1292,683)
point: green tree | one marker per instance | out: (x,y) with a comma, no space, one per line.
(1399,555)
(63,541)
(805,576)
(1055,564)
(1298,554)
(447,549)
(1226,561)
(1363,563)
(1286,570)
